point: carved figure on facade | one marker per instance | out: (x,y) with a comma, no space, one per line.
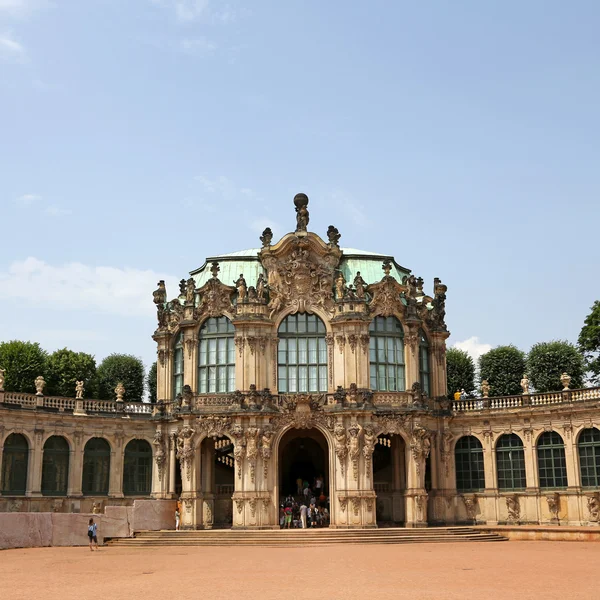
(593,505)
(261,287)
(333,235)
(159,297)
(241,287)
(420,445)
(437,315)
(302,217)
(470,502)
(214,426)
(421,504)
(419,399)
(239,503)
(2,379)
(513,507)
(447,438)
(360,285)
(182,288)
(40,384)
(185,450)
(174,314)
(266,237)
(215,297)
(120,391)
(190,291)
(160,456)
(354,447)
(79,390)
(252,434)
(239,447)
(265,449)
(187,397)
(525,385)
(340,286)
(553,501)
(369,441)
(340,445)
(385,295)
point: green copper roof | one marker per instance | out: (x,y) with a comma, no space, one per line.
(246,262)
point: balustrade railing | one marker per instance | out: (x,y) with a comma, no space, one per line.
(525,400)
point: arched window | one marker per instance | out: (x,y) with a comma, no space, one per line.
(14,465)
(468,455)
(178,365)
(216,357)
(96,467)
(137,468)
(386,355)
(510,462)
(424,372)
(55,466)
(589,457)
(552,465)
(302,354)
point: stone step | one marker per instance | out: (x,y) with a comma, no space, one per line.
(282,538)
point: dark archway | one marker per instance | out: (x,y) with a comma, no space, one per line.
(389,479)
(303,454)
(217,480)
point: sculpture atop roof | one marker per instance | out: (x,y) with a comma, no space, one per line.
(301,202)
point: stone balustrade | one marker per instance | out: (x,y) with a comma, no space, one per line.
(526,400)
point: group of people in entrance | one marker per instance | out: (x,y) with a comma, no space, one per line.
(309,508)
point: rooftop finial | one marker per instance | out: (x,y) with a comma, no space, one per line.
(301,202)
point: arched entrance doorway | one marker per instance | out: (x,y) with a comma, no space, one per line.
(217,481)
(389,479)
(304,469)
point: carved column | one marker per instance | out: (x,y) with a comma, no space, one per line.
(115,486)
(34,473)
(172,465)
(572,462)
(411,354)
(76,465)
(163,379)
(416,495)
(438,363)
(489,510)
(190,351)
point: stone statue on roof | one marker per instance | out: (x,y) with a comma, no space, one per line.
(359,285)
(242,288)
(301,202)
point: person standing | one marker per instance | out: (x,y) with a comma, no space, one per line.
(288,517)
(93,534)
(177,517)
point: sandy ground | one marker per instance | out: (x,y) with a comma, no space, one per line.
(468,570)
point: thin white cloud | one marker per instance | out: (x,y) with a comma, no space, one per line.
(197,46)
(76,286)
(186,10)
(260,223)
(57,211)
(353,209)
(20,8)
(28,199)
(11,50)
(473,347)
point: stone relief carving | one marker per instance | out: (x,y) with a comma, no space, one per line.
(447,439)
(239,503)
(214,426)
(369,441)
(2,379)
(215,297)
(421,504)
(354,447)
(513,506)
(252,434)
(340,444)
(553,501)
(266,237)
(185,450)
(267,440)
(470,502)
(160,456)
(593,505)
(333,235)
(386,294)
(420,446)
(239,447)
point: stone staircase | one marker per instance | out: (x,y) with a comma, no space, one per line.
(308,537)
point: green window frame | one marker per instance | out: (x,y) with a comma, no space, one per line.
(216,356)
(302,355)
(96,467)
(178,365)
(386,355)
(510,462)
(552,463)
(137,468)
(55,466)
(468,456)
(424,363)
(588,446)
(15,462)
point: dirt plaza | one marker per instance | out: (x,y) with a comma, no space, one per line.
(462,570)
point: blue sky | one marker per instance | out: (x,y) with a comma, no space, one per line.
(140,136)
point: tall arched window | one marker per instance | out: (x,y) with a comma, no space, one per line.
(510,462)
(137,468)
(468,455)
(302,354)
(552,465)
(96,467)
(14,465)
(386,355)
(216,357)
(178,365)
(424,372)
(55,466)
(589,457)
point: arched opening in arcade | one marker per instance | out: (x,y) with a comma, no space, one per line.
(304,478)
(217,481)
(389,479)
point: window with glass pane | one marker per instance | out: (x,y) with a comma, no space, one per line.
(178,366)
(552,465)
(468,455)
(386,355)
(216,357)
(137,468)
(96,467)
(510,462)
(302,354)
(589,457)
(55,466)
(424,372)
(15,459)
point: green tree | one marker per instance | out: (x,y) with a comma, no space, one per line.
(65,368)
(460,370)
(151,382)
(23,362)
(589,342)
(547,361)
(124,368)
(503,367)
